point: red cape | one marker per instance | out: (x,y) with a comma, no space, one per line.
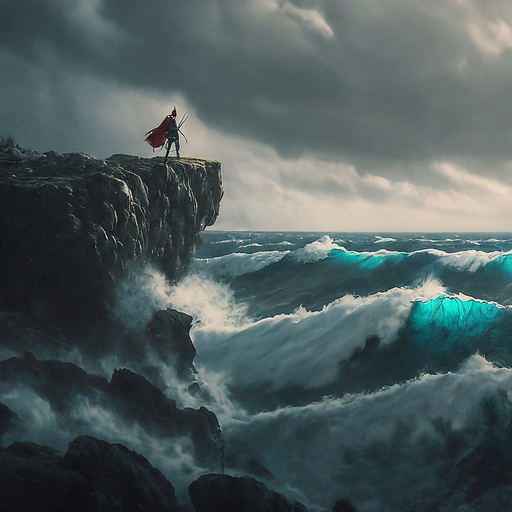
(156,136)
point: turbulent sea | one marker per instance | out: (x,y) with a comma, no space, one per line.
(375,367)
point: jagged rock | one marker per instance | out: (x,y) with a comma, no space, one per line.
(158,414)
(166,340)
(57,381)
(70,224)
(344,505)
(19,334)
(119,478)
(241,458)
(168,333)
(130,396)
(215,492)
(93,476)
(33,478)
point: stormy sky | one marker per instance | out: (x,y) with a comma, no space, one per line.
(327,115)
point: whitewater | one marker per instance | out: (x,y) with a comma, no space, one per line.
(375,367)
(372,367)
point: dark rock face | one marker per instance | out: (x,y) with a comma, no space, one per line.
(214,492)
(93,476)
(344,505)
(19,334)
(165,340)
(34,478)
(120,479)
(70,224)
(130,396)
(72,230)
(168,333)
(149,406)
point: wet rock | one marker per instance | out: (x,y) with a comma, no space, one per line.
(33,478)
(344,505)
(70,224)
(128,395)
(93,476)
(59,382)
(148,405)
(168,333)
(119,478)
(19,334)
(215,492)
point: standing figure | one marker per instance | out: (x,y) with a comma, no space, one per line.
(167,132)
(172,135)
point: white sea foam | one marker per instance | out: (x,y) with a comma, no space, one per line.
(470,260)
(144,291)
(305,347)
(229,241)
(235,264)
(39,422)
(42,424)
(316,251)
(380,239)
(210,303)
(382,450)
(250,245)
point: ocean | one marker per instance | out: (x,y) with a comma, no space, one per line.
(371,367)
(375,367)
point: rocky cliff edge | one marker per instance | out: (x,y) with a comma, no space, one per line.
(71,224)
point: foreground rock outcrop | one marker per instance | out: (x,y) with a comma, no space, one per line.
(215,492)
(93,476)
(72,229)
(129,399)
(71,224)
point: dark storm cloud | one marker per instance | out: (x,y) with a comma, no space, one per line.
(383,84)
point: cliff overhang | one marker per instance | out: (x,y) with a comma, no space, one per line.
(70,225)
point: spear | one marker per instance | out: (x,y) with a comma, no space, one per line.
(181,123)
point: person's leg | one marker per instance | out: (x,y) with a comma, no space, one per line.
(169,143)
(177,146)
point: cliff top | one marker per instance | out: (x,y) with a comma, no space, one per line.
(70,224)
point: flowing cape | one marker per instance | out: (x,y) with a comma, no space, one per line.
(156,136)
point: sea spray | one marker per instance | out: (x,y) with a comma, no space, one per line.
(396,449)
(269,351)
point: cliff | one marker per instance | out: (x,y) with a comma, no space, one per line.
(70,225)
(72,229)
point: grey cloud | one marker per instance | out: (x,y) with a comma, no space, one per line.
(398,83)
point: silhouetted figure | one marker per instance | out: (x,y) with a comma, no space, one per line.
(172,135)
(167,132)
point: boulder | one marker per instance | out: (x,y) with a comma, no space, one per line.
(216,492)
(33,478)
(143,402)
(93,476)
(119,478)
(344,505)
(168,333)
